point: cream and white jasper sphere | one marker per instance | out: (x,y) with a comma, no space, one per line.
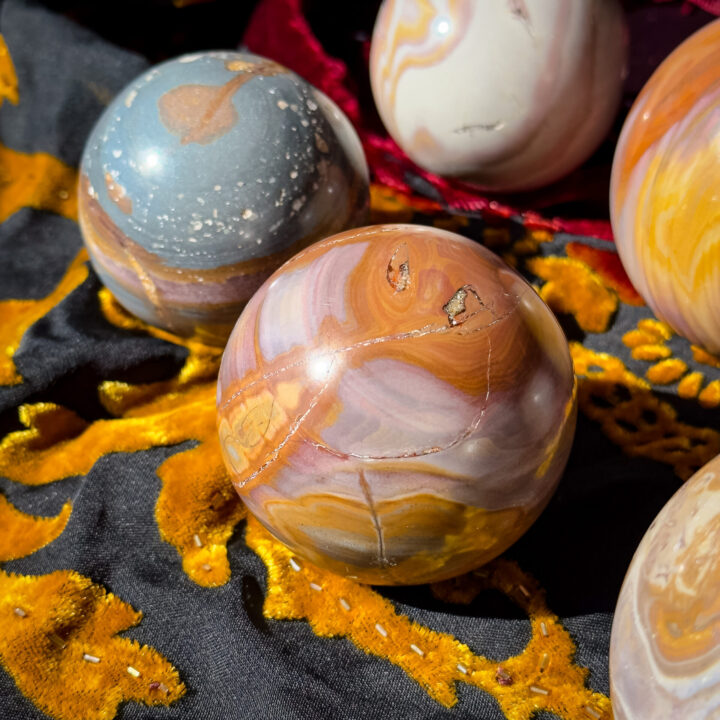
(508,94)
(665,646)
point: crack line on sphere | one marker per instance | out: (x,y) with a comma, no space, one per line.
(412,334)
(469,430)
(293,429)
(365,487)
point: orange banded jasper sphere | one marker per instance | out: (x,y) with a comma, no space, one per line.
(665,645)
(396,404)
(665,190)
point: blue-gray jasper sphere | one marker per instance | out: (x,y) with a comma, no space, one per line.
(203,176)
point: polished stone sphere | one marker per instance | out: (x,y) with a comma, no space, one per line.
(665,644)
(203,176)
(665,190)
(509,94)
(396,404)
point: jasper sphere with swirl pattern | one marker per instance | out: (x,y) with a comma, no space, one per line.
(396,404)
(665,190)
(509,94)
(665,644)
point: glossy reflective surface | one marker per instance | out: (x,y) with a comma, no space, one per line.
(665,196)
(665,647)
(396,404)
(510,94)
(203,176)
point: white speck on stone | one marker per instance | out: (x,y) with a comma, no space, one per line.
(117,153)
(312,106)
(189,58)
(298,203)
(247,214)
(200,200)
(197,225)
(293,174)
(130,98)
(192,239)
(240,183)
(217,188)
(282,104)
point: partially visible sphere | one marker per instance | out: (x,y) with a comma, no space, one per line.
(203,176)
(396,404)
(509,94)
(665,645)
(665,190)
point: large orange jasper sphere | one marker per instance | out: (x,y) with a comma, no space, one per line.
(665,190)
(396,404)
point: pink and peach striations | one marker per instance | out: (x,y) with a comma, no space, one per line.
(396,404)
(665,645)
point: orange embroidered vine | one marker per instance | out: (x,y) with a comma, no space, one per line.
(59,641)
(544,674)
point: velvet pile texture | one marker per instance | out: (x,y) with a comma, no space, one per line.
(134,585)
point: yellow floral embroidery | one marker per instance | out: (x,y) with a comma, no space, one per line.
(710,395)
(544,675)
(36,180)
(667,371)
(59,643)
(690,385)
(386,206)
(573,288)
(24,534)
(8,78)
(452,223)
(198,508)
(511,246)
(197,498)
(636,419)
(649,343)
(16,316)
(704,357)
(201,365)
